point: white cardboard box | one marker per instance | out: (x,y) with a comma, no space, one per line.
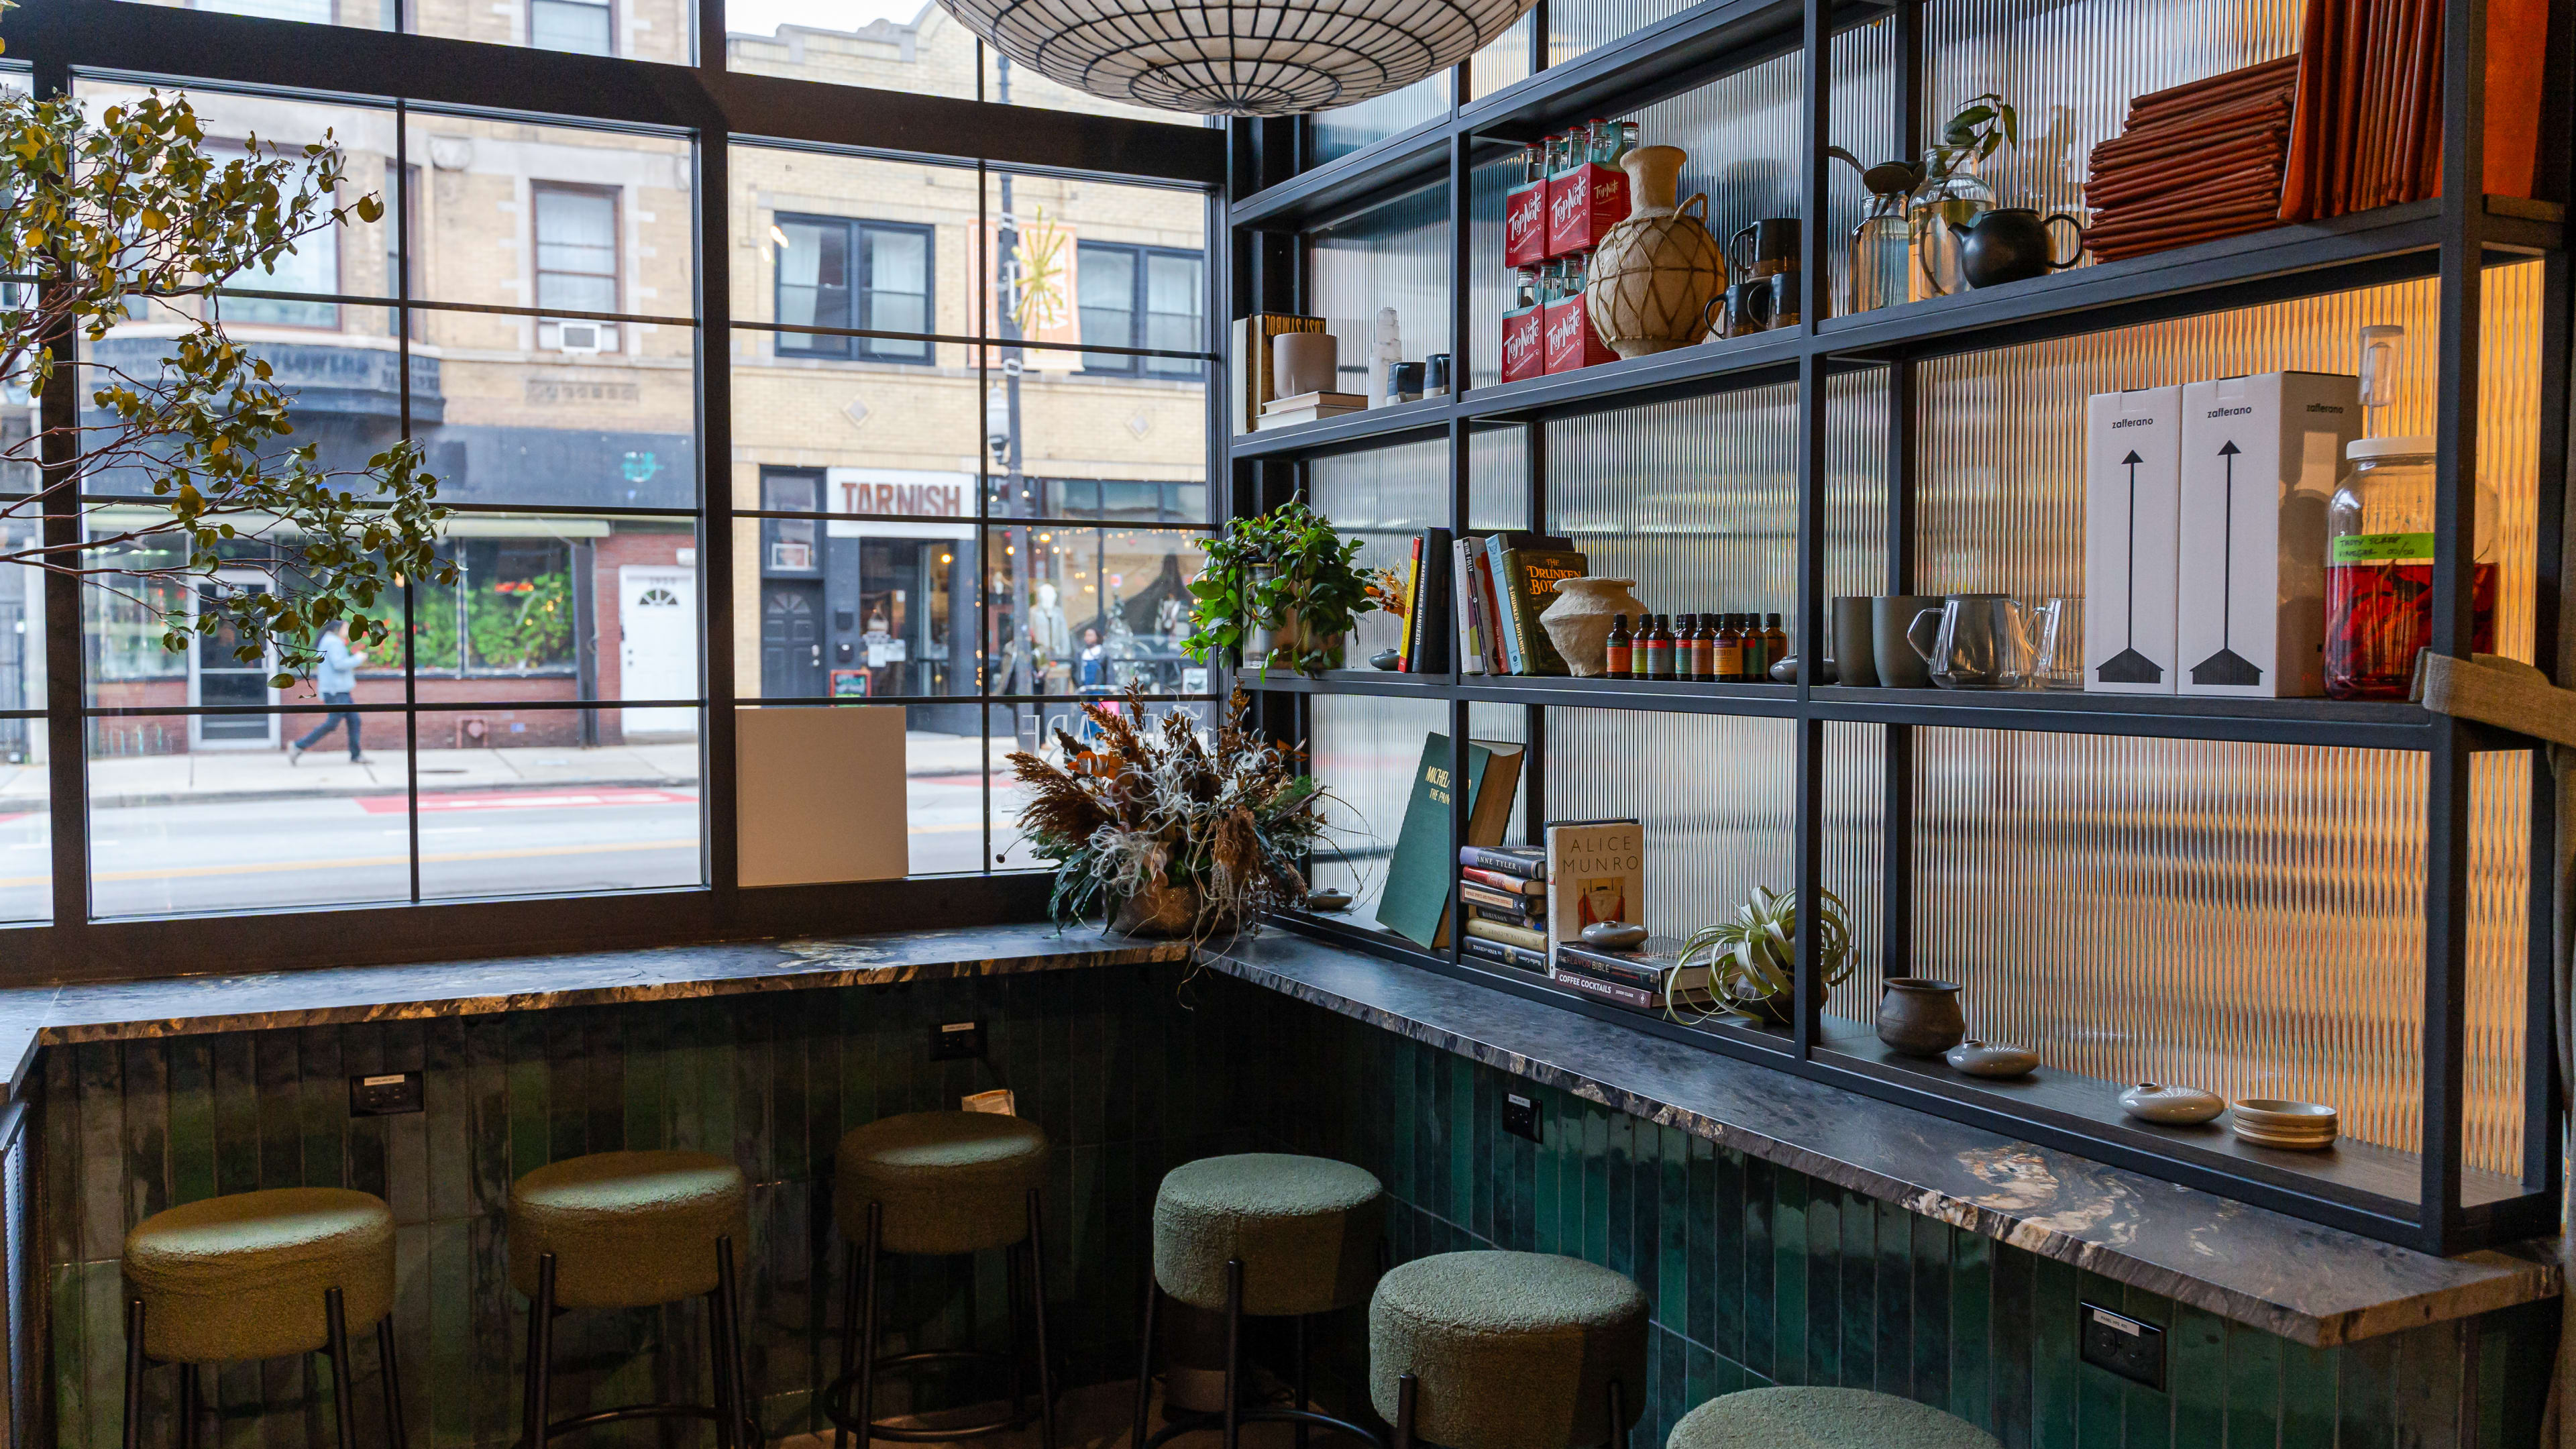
(2132,461)
(2259,460)
(821,795)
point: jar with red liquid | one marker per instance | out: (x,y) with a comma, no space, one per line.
(2379,569)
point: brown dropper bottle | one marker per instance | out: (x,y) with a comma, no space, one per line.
(1775,643)
(1729,651)
(1621,645)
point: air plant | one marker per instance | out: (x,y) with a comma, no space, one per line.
(1750,959)
(1153,808)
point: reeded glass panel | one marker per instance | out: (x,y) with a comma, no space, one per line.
(1500,722)
(1502,62)
(1393,255)
(1498,491)
(1575,26)
(1695,499)
(2001,502)
(1855,855)
(1365,749)
(1350,128)
(1384,497)
(1856,488)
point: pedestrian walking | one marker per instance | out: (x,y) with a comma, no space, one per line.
(337,679)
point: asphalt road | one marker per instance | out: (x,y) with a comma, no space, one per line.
(213,856)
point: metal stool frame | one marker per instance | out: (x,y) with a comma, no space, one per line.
(335,1346)
(850,1402)
(737,1427)
(1234,1415)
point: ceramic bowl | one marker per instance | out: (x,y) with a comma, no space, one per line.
(1614,935)
(2297,1126)
(1328,900)
(2261,1138)
(1992,1059)
(2170,1106)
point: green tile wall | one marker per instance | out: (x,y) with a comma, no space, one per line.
(1758,1275)
(1126,1080)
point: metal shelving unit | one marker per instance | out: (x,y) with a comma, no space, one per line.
(1274,198)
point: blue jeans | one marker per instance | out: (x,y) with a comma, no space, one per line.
(334,718)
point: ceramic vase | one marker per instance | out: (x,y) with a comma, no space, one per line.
(1578,623)
(1304,362)
(1654,277)
(1918,1017)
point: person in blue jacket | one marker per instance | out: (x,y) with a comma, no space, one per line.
(337,679)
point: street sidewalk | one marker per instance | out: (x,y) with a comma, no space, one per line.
(215,776)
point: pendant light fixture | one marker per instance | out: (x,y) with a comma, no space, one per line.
(1245,58)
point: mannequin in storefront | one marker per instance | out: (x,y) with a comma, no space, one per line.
(1047,632)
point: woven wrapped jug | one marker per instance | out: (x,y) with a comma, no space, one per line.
(1657,274)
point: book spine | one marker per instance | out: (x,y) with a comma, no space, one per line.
(1507,954)
(1470,618)
(1619,992)
(1644,975)
(1532,866)
(1412,608)
(1505,916)
(1506,625)
(1515,935)
(1517,885)
(1538,656)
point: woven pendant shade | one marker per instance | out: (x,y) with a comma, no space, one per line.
(1249,58)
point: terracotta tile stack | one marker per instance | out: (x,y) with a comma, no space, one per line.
(2196,162)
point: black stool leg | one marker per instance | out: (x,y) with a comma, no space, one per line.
(1618,1416)
(1233,1352)
(1303,1404)
(1407,1390)
(719,1353)
(335,1316)
(133,1373)
(1013,1300)
(395,1434)
(1145,1354)
(745,1420)
(189,1409)
(541,1334)
(1038,1293)
(849,1326)
(867,1331)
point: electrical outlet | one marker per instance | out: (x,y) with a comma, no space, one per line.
(388,1095)
(957,1041)
(2126,1346)
(1520,1116)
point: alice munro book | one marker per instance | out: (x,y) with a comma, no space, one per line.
(1596,871)
(1415,903)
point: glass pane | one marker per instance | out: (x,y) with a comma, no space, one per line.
(1503,60)
(899,441)
(1008,81)
(849,608)
(1022,727)
(511,410)
(1073,444)
(1393,257)
(893,45)
(1365,751)
(204,813)
(1384,497)
(1092,610)
(1108,295)
(26,823)
(1175,309)
(1575,26)
(662,30)
(526,802)
(1340,132)
(574,25)
(519,213)
(1049,229)
(903,232)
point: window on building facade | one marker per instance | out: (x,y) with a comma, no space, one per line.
(575,25)
(866,276)
(576,248)
(1135,296)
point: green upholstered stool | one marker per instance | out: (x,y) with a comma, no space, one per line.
(631,1230)
(1507,1351)
(1815,1418)
(938,1184)
(1259,1235)
(260,1275)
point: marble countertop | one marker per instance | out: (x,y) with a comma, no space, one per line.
(40,1016)
(2318,1285)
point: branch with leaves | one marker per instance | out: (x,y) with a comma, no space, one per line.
(131,216)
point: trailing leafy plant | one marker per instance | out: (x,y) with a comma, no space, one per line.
(1982,126)
(1148,808)
(1312,583)
(1751,959)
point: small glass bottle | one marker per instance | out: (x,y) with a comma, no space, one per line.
(1659,653)
(1621,645)
(1775,643)
(1703,649)
(1533,163)
(1730,651)
(1557,148)
(1527,296)
(1600,141)
(1627,142)
(1685,630)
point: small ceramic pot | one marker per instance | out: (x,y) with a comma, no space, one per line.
(1385,659)
(2170,1106)
(1992,1059)
(1919,1017)
(1614,935)
(1304,362)
(1578,623)
(2272,1122)
(1328,899)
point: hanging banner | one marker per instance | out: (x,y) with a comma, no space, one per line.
(1040,289)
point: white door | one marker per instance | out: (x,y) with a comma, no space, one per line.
(657,611)
(215,677)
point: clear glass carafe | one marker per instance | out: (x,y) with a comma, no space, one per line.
(2379,569)
(1940,209)
(1882,256)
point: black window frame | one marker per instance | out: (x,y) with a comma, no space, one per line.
(1140,289)
(842,344)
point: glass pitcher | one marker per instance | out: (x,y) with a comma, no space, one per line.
(1939,210)
(1978,641)
(1882,246)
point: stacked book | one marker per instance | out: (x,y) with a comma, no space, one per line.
(1505,890)
(2195,163)
(1503,582)
(1306,407)
(1648,978)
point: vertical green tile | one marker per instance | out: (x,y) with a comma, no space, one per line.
(1971,1323)
(192,1118)
(1431,1085)
(1824,1229)
(1403,1112)
(2196,1375)
(2146,1415)
(1672,1217)
(146,1114)
(1707,1222)
(236,1114)
(1789,1278)
(2008,1339)
(2365,1394)
(1547,1184)
(1928,1249)
(1461,1205)
(1892,1356)
(1859,1269)
(2052,1354)
(1596,1182)
(1760,1206)
(2253,1388)
(70,1354)
(1487,1143)
(531,1138)
(2099,1394)
(2308,1398)
(2428,1384)
(1630,1167)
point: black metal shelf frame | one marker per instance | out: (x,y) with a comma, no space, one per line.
(2452,238)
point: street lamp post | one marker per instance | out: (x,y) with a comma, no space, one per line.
(1019,674)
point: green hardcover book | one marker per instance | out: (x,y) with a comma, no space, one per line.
(1534,573)
(1424,869)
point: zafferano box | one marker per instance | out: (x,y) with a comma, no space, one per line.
(2259,460)
(2132,443)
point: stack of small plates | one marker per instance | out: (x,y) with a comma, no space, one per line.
(2270,1122)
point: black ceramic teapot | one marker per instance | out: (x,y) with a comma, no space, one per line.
(2011,244)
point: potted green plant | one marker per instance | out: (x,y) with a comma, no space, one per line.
(1282,587)
(1751,959)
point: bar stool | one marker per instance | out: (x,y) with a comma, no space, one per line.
(631,1230)
(938,1184)
(1818,1418)
(260,1275)
(1260,1235)
(1496,1350)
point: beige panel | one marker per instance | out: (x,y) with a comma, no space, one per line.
(822,795)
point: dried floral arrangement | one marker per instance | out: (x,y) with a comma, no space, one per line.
(1174,832)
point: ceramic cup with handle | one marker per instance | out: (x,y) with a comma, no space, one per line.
(1977,641)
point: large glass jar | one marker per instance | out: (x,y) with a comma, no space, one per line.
(1882,256)
(2379,569)
(1940,209)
